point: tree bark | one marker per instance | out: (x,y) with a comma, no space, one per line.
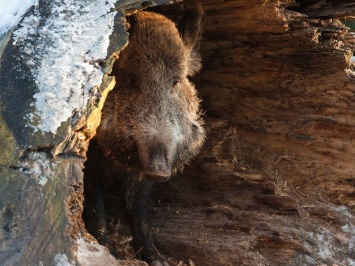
(41,177)
(274,183)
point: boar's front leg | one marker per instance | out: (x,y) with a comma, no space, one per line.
(94,213)
(138,198)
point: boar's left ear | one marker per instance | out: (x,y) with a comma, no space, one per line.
(190,28)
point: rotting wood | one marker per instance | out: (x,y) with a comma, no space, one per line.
(275,181)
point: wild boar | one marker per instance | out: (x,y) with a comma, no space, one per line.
(151,122)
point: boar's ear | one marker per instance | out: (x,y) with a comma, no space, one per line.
(190,28)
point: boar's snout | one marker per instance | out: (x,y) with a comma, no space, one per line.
(157,171)
(158,168)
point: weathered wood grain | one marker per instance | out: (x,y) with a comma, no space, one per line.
(274,184)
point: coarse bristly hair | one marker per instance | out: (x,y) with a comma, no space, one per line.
(154,107)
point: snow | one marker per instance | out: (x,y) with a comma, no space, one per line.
(91,253)
(62,53)
(348,228)
(12,11)
(62,260)
(325,244)
(39,167)
(329,245)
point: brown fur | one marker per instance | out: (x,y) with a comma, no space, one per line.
(145,103)
(151,122)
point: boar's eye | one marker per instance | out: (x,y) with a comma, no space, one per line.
(134,83)
(195,127)
(175,82)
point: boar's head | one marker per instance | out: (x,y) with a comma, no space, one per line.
(151,121)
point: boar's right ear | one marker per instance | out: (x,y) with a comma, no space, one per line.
(190,28)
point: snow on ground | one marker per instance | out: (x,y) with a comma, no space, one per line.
(349,229)
(62,260)
(91,253)
(12,11)
(62,52)
(334,247)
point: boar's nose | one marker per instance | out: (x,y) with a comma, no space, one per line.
(158,169)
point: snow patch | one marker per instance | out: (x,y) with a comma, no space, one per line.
(39,167)
(12,11)
(91,253)
(61,260)
(61,52)
(325,244)
(330,245)
(349,229)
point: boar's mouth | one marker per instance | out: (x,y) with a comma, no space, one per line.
(156,175)
(157,166)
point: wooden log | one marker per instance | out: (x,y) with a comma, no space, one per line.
(274,184)
(42,155)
